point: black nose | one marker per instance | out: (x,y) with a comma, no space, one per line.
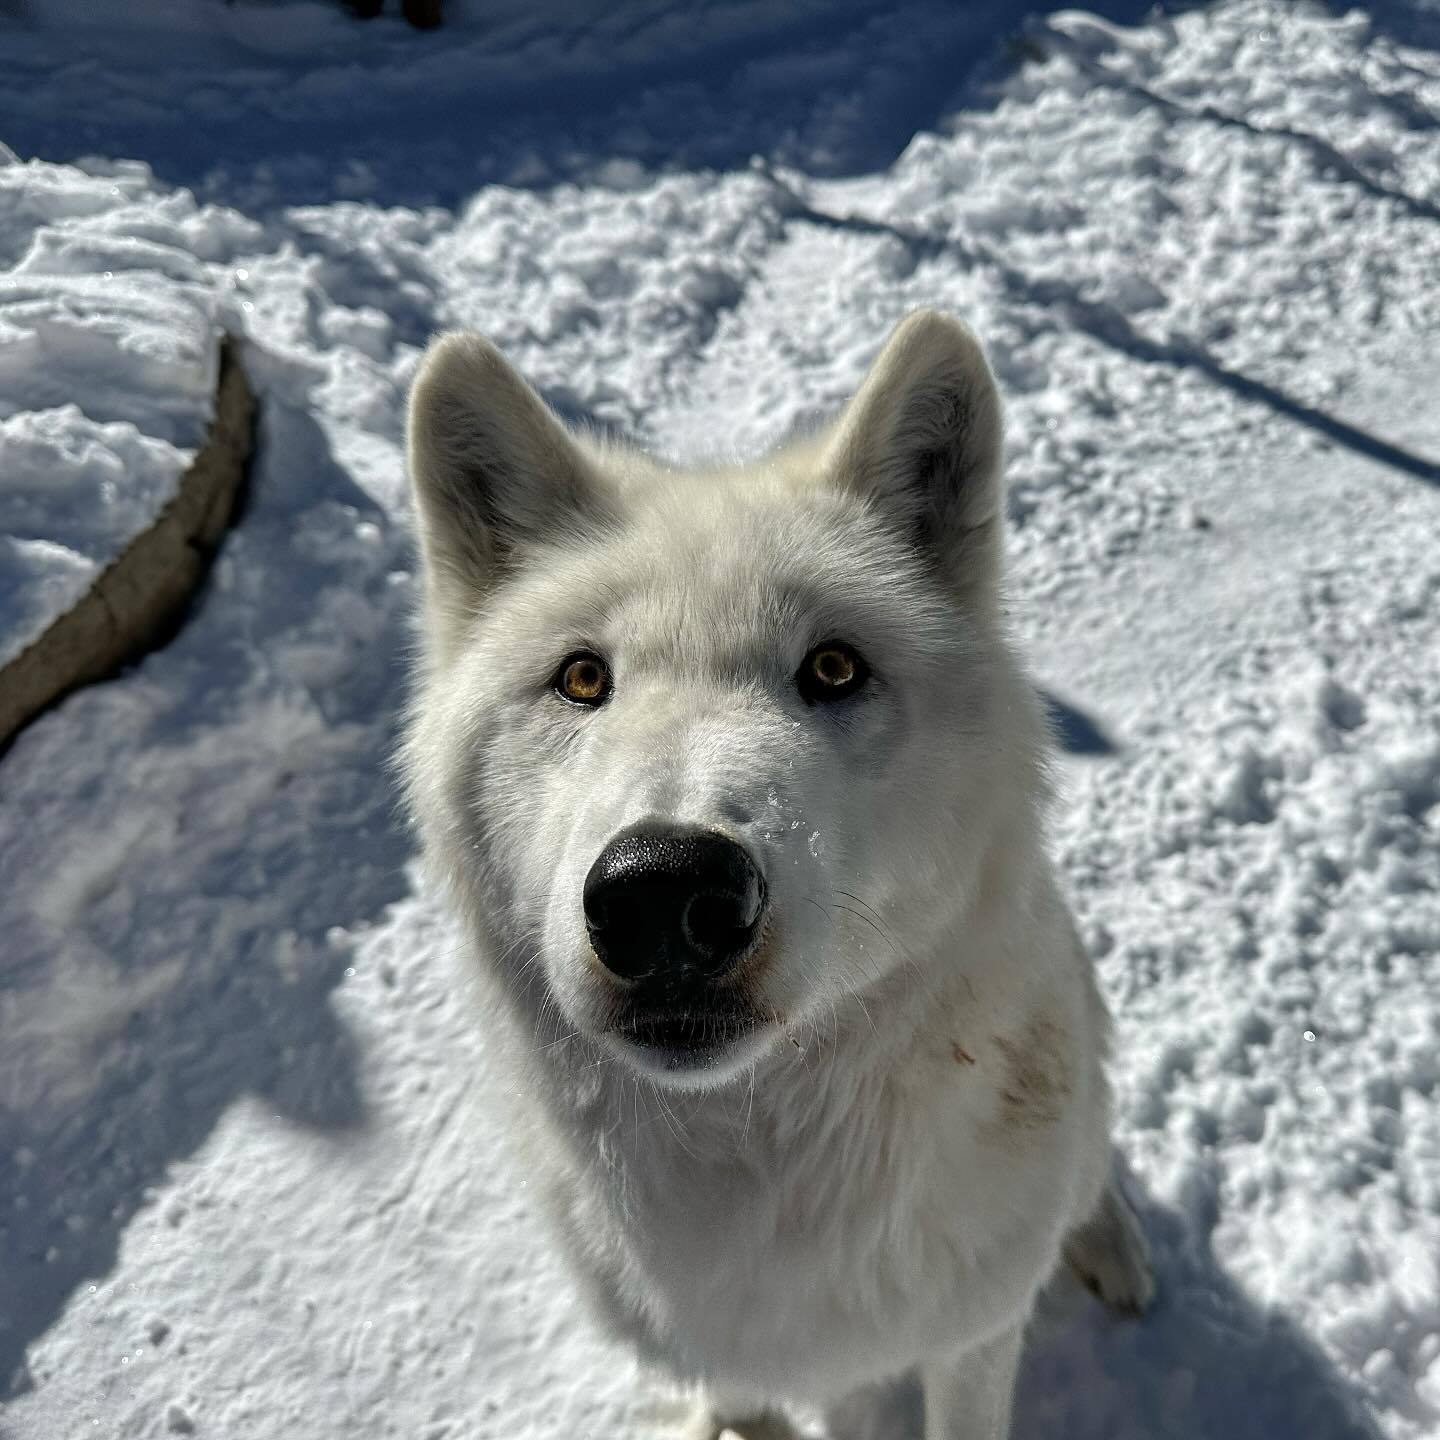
(672,903)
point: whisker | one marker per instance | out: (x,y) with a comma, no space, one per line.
(860,915)
(859,901)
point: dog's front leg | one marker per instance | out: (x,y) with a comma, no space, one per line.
(967,1396)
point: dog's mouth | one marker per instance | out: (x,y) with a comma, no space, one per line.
(675,1041)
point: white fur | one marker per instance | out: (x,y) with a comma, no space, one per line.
(882,1177)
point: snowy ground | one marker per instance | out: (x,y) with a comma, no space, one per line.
(108,361)
(249,1176)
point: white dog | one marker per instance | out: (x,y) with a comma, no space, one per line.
(739,787)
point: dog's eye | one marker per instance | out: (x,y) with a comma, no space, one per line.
(583,679)
(831,672)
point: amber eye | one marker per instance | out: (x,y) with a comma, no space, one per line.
(831,672)
(583,678)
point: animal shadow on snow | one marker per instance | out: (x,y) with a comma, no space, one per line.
(1205,1363)
(237,807)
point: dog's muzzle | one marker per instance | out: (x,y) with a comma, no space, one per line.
(673,909)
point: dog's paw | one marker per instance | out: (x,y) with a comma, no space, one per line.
(701,1425)
(1125,1281)
(704,1424)
(1111,1256)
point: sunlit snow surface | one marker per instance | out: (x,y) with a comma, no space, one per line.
(251,1181)
(108,345)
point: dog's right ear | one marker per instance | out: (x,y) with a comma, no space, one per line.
(494,470)
(922,441)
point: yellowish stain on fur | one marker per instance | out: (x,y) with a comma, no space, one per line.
(1036,1076)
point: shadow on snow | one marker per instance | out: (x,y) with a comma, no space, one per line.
(304,103)
(239,807)
(1109,326)
(1205,1361)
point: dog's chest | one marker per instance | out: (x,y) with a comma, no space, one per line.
(826,1248)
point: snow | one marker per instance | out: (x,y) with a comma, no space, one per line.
(103,299)
(252,1173)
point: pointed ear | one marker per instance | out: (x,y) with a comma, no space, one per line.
(922,440)
(493,470)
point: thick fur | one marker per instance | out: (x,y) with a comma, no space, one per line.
(884,1174)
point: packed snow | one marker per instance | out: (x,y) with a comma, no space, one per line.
(108,354)
(252,1173)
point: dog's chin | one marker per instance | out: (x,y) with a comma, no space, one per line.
(688,1055)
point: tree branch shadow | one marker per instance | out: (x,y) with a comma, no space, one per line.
(1324,155)
(1110,327)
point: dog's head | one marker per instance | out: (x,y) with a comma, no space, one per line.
(710,757)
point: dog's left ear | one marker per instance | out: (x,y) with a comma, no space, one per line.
(922,439)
